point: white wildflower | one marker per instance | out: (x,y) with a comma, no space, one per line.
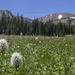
(64,39)
(49,41)
(65,44)
(57,36)
(16,60)
(39,41)
(36,38)
(71,58)
(52,37)
(18,46)
(3,46)
(34,44)
(21,34)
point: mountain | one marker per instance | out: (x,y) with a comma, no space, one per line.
(9,13)
(57,17)
(63,17)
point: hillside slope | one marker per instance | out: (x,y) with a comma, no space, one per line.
(63,17)
(9,13)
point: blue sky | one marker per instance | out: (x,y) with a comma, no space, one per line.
(38,8)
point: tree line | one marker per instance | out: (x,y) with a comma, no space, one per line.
(15,26)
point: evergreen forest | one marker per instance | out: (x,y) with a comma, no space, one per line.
(15,26)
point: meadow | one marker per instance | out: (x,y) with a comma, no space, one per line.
(40,55)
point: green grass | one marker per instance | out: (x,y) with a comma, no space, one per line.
(44,56)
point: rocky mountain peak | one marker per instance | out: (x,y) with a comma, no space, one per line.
(9,13)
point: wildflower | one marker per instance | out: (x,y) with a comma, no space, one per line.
(64,39)
(25,47)
(39,41)
(34,44)
(28,37)
(39,69)
(65,44)
(36,38)
(43,50)
(18,46)
(72,58)
(16,60)
(27,52)
(3,46)
(52,37)
(49,41)
(61,48)
(21,34)
(10,43)
(57,36)
(53,46)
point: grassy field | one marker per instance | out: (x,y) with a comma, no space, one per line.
(41,56)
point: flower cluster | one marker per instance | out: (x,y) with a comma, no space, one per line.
(3,46)
(16,60)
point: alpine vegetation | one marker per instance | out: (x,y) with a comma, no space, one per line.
(16,60)
(3,46)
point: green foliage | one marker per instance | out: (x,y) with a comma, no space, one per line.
(42,56)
